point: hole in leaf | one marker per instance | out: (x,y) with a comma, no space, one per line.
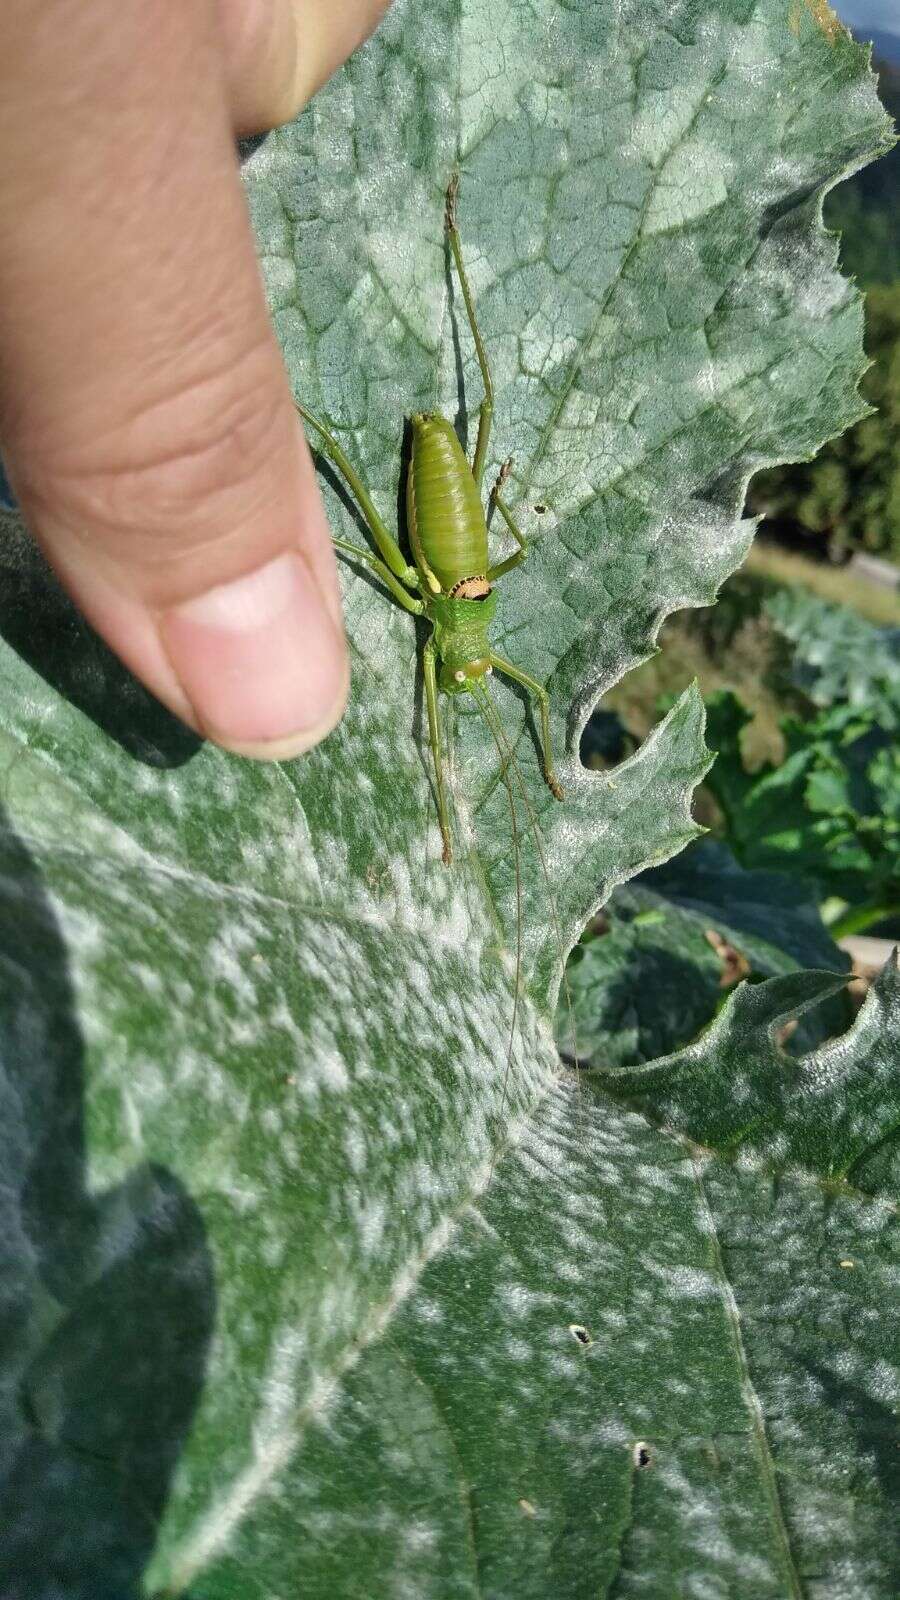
(641,1454)
(606,741)
(581,1334)
(541,509)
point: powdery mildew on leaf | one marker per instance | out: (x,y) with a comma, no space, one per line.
(648,1393)
(281,1013)
(736,1087)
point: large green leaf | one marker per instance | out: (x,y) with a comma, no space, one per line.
(629,1370)
(255,1035)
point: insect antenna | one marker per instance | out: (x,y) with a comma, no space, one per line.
(508,760)
(554,914)
(485,705)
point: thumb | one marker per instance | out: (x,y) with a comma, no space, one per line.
(146,416)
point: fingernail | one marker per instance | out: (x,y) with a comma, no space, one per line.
(260,660)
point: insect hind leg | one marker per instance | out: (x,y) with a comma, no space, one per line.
(391,553)
(401,594)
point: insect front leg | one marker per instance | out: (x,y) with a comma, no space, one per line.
(429,656)
(485,415)
(392,554)
(540,694)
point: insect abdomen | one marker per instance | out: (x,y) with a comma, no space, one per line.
(444,508)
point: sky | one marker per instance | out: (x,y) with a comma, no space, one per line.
(864,14)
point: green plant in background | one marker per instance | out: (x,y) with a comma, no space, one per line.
(297,1295)
(657,966)
(837,657)
(828,813)
(848,496)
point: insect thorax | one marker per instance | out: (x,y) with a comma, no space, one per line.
(461,634)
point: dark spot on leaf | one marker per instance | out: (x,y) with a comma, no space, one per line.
(642,1455)
(540,508)
(580,1333)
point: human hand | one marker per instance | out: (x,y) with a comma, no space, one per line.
(145,414)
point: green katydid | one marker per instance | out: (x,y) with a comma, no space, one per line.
(451,580)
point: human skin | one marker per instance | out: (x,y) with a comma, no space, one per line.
(146,420)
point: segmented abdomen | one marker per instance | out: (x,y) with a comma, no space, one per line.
(446,520)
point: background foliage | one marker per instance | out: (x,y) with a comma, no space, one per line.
(803,701)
